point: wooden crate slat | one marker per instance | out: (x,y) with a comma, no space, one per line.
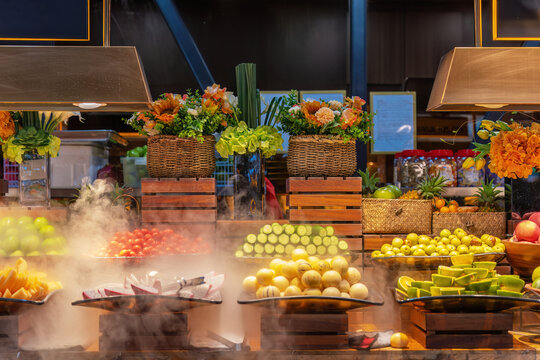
(331,184)
(325,200)
(306,342)
(144,324)
(461,321)
(352,229)
(304,323)
(325,215)
(241,228)
(173,201)
(462,341)
(354,243)
(374,242)
(110,342)
(178,216)
(187,185)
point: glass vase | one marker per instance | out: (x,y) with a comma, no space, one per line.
(526,195)
(34,185)
(249,187)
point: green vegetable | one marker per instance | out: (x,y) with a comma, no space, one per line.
(242,140)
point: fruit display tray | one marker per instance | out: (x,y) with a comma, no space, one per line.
(469,303)
(313,304)
(427,262)
(138,304)
(9,306)
(529,287)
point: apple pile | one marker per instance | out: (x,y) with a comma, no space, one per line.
(528,230)
(26,236)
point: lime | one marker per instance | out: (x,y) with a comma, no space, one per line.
(435,291)
(452,291)
(509,293)
(511,283)
(402,293)
(536,284)
(442,280)
(450,271)
(490,265)
(404,282)
(493,289)
(464,280)
(469,292)
(536,273)
(482,285)
(479,273)
(463,266)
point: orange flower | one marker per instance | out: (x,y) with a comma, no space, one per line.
(309,109)
(214,92)
(7,126)
(349,117)
(165,109)
(356,102)
(210,106)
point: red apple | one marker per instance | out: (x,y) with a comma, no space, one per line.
(535,218)
(527,230)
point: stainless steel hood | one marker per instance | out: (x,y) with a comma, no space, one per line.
(72,78)
(487,78)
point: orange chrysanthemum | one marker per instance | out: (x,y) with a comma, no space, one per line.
(309,109)
(7,126)
(515,153)
(165,109)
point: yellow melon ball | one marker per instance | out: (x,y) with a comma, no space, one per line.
(322,266)
(399,340)
(353,275)
(277,265)
(359,291)
(345,295)
(331,291)
(312,292)
(260,291)
(344,286)
(250,284)
(302,266)
(280,282)
(289,270)
(293,290)
(265,276)
(340,265)
(311,279)
(331,278)
(298,254)
(270,291)
(297,282)
(313,260)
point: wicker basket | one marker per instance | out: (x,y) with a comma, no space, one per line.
(317,155)
(169,156)
(396,216)
(478,223)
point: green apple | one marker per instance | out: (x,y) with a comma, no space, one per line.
(40,222)
(12,231)
(384,193)
(28,229)
(10,244)
(23,220)
(29,243)
(51,243)
(7,221)
(16,253)
(47,231)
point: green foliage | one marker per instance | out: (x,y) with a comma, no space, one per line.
(248,99)
(369,181)
(241,140)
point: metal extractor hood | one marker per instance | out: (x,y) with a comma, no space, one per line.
(72,78)
(487,78)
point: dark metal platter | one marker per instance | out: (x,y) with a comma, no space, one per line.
(138,304)
(469,303)
(10,306)
(427,262)
(312,304)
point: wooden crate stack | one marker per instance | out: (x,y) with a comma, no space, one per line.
(332,201)
(128,332)
(188,205)
(459,330)
(304,331)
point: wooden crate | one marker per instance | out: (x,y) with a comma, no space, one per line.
(121,332)
(304,331)
(460,330)
(9,332)
(187,205)
(332,201)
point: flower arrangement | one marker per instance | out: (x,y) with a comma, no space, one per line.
(335,119)
(187,116)
(241,140)
(514,149)
(24,132)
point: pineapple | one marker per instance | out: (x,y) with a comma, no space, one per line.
(411,195)
(487,197)
(369,182)
(432,186)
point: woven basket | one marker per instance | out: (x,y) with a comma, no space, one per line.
(396,216)
(479,223)
(317,155)
(169,156)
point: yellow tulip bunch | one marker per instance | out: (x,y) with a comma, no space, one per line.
(20,283)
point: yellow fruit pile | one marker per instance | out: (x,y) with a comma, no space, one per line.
(20,283)
(306,275)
